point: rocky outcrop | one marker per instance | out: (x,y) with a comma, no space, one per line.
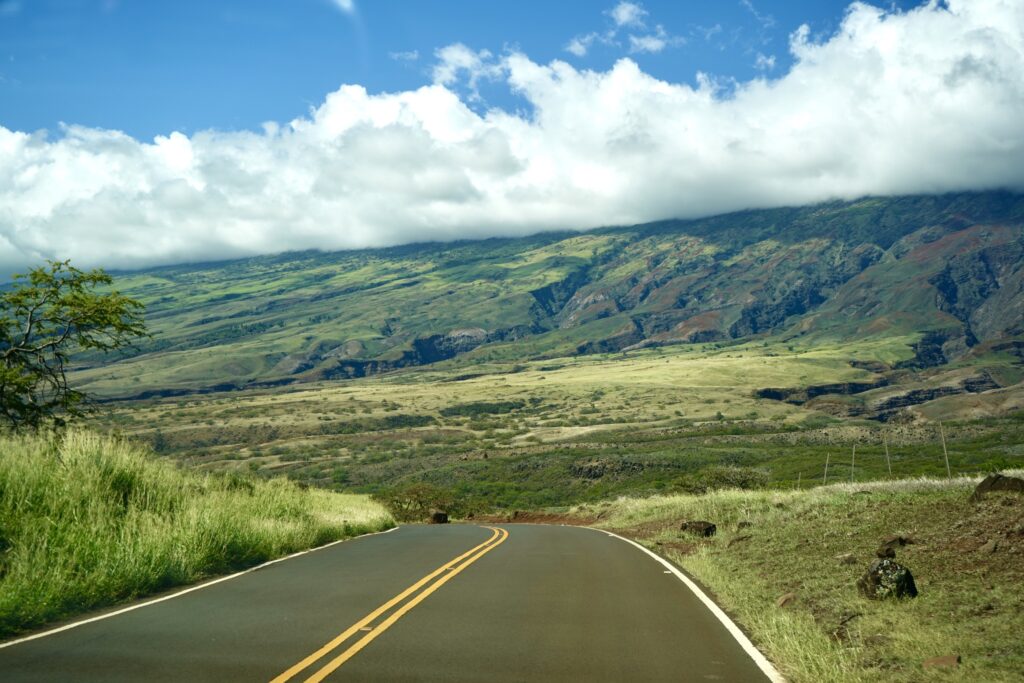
(969,288)
(887,578)
(800,396)
(805,289)
(997,482)
(596,469)
(438,517)
(699,528)
(628,337)
(970,385)
(551,299)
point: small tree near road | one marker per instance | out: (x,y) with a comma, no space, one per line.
(45,316)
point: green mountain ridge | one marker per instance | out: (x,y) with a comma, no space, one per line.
(946,272)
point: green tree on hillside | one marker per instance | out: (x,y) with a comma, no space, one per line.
(45,316)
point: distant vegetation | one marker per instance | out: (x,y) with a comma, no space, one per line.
(570,367)
(659,420)
(938,272)
(88,521)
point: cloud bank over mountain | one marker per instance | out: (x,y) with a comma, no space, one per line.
(929,100)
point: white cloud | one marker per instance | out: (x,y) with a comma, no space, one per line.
(767,21)
(764,62)
(930,100)
(653,42)
(580,44)
(410,56)
(457,60)
(628,15)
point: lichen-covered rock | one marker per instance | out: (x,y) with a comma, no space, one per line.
(886,578)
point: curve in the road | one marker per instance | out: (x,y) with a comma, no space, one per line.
(506,604)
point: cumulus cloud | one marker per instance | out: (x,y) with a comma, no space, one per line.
(930,100)
(764,62)
(628,15)
(653,42)
(458,61)
(409,56)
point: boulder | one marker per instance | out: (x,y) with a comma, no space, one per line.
(989,547)
(886,578)
(997,482)
(943,662)
(699,528)
(438,517)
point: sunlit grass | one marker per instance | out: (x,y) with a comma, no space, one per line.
(89,520)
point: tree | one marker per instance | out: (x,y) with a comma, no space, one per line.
(47,315)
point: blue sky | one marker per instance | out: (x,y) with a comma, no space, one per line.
(148,67)
(144,132)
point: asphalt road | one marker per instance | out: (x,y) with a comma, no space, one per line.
(423,603)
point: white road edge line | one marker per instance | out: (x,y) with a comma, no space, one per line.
(200,586)
(762,662)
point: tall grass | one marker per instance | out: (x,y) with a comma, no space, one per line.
(89,520)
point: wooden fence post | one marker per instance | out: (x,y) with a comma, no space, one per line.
(945,453)
(888,462)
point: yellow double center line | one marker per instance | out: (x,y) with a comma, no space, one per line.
(450,570)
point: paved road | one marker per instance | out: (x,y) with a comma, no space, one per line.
(423,603)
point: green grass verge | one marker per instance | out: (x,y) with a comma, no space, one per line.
(88,521)
(970,602)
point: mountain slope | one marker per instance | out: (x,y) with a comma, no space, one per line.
(946,270)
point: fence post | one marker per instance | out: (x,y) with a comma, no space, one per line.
(945,453)
(853,461)
(888,462)
(825,478)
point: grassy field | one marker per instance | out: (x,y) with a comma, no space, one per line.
(969,604)
(583,428)
(88,521)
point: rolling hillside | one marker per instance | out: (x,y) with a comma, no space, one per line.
(570,367)
(946,270)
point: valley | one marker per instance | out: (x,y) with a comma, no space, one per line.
(566,368)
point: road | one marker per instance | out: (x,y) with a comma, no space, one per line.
(422,603)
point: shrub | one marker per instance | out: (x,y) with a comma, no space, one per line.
(721,477)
